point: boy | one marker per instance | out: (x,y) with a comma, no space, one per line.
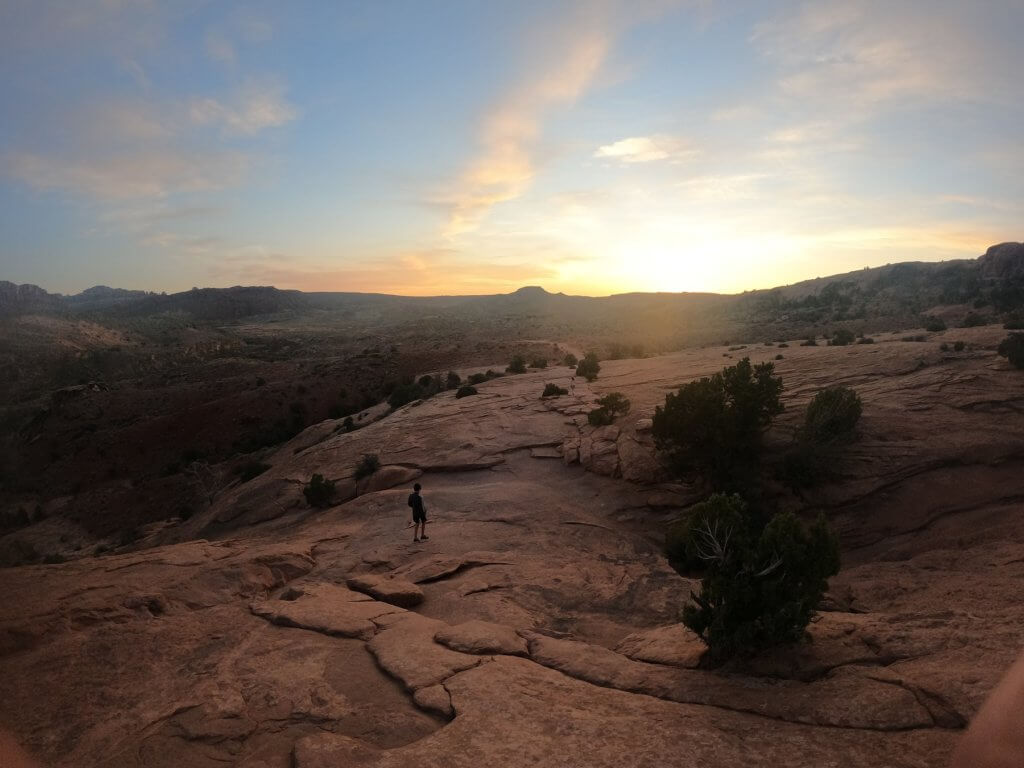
(419,515)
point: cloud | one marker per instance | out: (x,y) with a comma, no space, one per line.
(219,48)
(125,175)
(504,167)
(260,105)
(645,149)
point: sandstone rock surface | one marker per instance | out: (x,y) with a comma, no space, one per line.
(235,642)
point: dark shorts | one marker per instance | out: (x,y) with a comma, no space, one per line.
(419,516)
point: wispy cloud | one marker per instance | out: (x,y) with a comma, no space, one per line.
(646,149)
(505,164)
(124,175)
(258,106)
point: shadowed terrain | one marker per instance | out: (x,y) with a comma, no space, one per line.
(539,623)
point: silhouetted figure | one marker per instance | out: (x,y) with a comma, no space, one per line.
(419,515)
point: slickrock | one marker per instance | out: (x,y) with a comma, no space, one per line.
(394,591)
(482,637)
(326,608)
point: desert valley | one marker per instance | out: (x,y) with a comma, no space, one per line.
(173,596)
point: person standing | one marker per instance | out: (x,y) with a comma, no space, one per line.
(419,515)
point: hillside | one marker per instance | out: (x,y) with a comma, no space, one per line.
(538,625)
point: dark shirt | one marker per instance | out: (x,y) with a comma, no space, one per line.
(416,502)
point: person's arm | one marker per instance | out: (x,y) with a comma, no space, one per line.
(995,738)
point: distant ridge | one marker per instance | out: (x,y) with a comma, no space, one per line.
(894,289)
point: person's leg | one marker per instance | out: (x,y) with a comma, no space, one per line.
(415,529)
(423,534)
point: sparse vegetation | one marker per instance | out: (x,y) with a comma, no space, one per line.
(830,420)
(1012,348)
(778,357)
(760,585)
(539,362)
(570,360)
(599,417)
(841,337)
(934,324)
(973,320)
(865,340)
(588,367)
(810,341)
(367,465)
(714,425)
(516,365)
(465,391)
(958,346)
(318,491)
(615,403)
(453,380)
(832,415)
(1014,321)
(553,390)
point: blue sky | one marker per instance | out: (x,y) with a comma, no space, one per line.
(466,147)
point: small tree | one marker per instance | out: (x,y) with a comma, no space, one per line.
(553,390)
(516,365)
(973,320)
(841,338)
(348,425)
(1012,348)
(714,425)
(760,587)
(318,492)
(367,465)
(588,367)
(600,417)
(832,415)
(570,360)
(539,362)
(615,403)
(934,324)
(465,391)
(453,380)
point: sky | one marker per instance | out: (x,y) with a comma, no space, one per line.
(428,147)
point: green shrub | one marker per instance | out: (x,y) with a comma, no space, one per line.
(973,320)
(426,382)
(778,357)
(841,337)
(810,342)
(1014,322)
(539,362)
(348,425)
(615,403)
(958,346)
(760,588)
(553,390)
(714,425)
(570,360)
(465,391)
(477,378)
(944,347)
(1012,348)
(832,415)
(865,340)
(934,324)
(783,345)
(367,465)
(588,367)
(453,380)
(516,365)
(318,492)
(600,417)
(250,470)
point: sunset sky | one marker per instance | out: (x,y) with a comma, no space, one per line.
(436,146)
